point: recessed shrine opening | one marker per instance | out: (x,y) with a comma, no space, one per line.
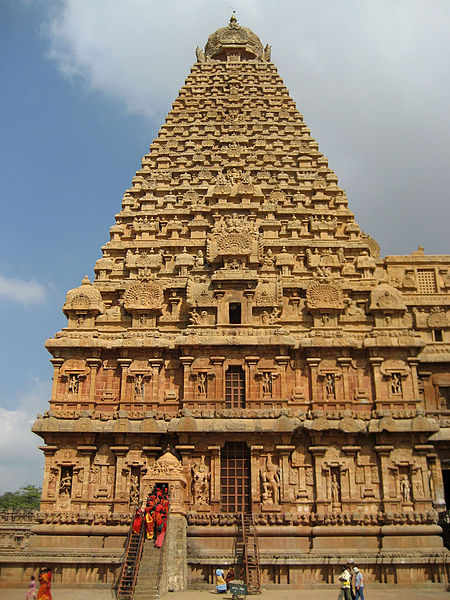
(446,480)
(235,313)
(235,477)
(235,387)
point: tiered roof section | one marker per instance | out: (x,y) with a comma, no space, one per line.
(236,204)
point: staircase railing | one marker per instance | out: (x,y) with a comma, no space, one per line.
(126,581)
(251,568)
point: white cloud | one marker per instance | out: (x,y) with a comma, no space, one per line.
(25,292)
(21,462)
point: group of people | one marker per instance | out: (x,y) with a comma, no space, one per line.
(352,584)
(45,584)
(154,514)
(222,581)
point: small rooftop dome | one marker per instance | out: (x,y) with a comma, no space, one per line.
(233,40)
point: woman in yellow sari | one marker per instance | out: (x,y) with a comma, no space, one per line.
(45,581)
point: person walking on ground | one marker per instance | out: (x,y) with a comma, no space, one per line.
(31,592)
(221,586)
(359,584)
(344,578)
(45,581)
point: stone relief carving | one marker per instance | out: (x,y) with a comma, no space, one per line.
(103,473)
(386,297)
(324,296)
(235,235)
(366,264)
(405,488)
(73,383)
(198,318)
(270,318)
(134,490)
(301,474)
(144,296)
(65,484)
(335,489)
(200,482)
(270,480)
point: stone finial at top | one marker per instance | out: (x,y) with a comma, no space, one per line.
(234,43)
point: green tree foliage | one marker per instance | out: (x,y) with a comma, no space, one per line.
(27,497)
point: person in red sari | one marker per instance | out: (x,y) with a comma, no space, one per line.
(45,581)
(137,523)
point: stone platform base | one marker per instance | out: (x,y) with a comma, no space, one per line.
(290,556)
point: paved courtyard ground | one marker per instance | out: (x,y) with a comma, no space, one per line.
(331,593)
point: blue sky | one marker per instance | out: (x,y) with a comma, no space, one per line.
(86,86)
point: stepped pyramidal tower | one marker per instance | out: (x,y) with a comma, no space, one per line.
(244,342)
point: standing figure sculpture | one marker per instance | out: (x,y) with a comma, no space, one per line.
(270,482)
(405,488)
(200,482)
(335,488)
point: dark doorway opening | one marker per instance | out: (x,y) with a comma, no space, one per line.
(164,487)
(235,477)
(235,313)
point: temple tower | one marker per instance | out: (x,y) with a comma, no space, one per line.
(241,321)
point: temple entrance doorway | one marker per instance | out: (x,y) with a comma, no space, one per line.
(235,477)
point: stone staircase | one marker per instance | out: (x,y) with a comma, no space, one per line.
(147,579)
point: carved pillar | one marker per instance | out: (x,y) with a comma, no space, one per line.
(215,478)
(86,452)
(217,362)
(313,364)
(348,491)
(389,500)
(222,317)
(322,501)
(57,364)
(185,451)
(49,453)
(248,295)
(121,491)
(345,363)
(436,482)
(282,361)
(255,453)
(188,387)
(124,364)
(376,361)
(251,361)
(421,486)
(94,365)
(157,394)
(285,489)
(413,362)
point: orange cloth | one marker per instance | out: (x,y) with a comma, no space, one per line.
(45,580)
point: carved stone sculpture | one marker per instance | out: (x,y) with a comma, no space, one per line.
(270,480)
(200,482)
